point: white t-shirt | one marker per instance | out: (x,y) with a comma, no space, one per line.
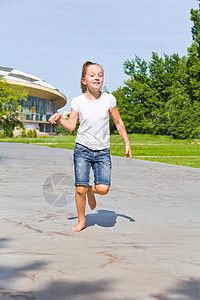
(94,131)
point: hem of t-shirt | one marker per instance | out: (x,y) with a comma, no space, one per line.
(112,107)
(93,148)
(74,110)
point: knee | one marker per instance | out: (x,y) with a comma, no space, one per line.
(102,189)
(81,189)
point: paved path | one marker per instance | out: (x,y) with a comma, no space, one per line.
(142,242)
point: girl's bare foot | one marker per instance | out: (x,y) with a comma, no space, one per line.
(91,198)
(79,226)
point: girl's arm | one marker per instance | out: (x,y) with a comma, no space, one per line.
(68,124)
(121,129)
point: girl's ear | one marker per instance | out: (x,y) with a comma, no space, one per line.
(83,81)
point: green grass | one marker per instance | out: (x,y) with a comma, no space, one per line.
(180,161)
(41,139)
(182,154)
(162,149)
(152,139)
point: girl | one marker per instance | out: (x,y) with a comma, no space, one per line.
(92,148)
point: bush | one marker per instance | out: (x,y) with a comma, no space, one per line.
(8,132)
(34,133)
(2,134)
(30,134)
(23,134)
(196,133)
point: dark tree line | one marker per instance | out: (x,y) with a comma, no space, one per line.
(162,96)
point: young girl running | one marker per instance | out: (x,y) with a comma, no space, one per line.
(92,148)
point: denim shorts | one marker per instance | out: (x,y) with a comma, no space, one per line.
(99,160)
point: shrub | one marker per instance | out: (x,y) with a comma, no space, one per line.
(2,135)
(23,134)
(34,133)
(29,134)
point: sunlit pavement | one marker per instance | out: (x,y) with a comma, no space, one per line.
(141,242)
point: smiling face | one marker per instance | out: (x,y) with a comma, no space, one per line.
(93,78)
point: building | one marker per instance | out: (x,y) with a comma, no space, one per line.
(43,100)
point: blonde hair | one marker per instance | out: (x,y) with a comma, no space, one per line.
(84,70)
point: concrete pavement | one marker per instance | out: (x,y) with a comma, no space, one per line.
(142,241)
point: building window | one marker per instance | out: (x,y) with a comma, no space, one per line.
(47,128)
(38,109)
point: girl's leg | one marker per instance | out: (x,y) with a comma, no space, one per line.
(81,191)
(100,189)
(102,174)
(82,164)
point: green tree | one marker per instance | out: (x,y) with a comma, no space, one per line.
(132,98)
(176,115)
(193,68)
(9,106)
(155,98)
(163,96)
(193,63)
(182,118)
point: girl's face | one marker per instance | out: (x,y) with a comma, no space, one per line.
(93,78)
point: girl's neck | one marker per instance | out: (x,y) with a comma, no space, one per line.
(92,95)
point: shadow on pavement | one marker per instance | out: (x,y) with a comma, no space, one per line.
(3,241)
(185,290)
(8,272)
(11,272)
(64,290)
(103,218)
(61,290)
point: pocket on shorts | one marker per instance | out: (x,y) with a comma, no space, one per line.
(105,155)
(79,148)
(106,151)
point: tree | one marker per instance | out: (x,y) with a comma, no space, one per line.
(9,106)
(155,98)
(193,67)
(132,98)
(193,63)
(163,96)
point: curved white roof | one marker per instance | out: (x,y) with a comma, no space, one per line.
(16,75)
(35,85)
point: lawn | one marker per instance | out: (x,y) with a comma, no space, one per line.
(162,149)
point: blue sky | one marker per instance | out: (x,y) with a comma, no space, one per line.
(51,39)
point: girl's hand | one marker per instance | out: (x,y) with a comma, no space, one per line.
(55,117)
(128,151)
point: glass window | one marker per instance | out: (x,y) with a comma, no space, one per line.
(48,127)
(38,109)
(41,127)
